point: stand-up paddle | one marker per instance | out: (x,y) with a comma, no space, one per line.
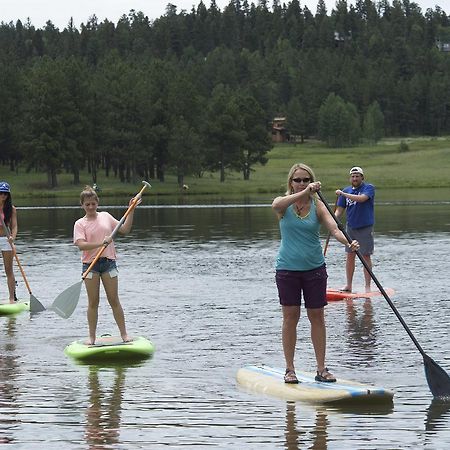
(437,378)
(35,304)
(66,302)
(329,234)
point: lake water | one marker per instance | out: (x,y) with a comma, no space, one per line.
(199,282)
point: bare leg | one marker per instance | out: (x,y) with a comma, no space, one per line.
(350,270)
(111,286)
(318,335)
(93,292)
(367,277)
(291,316)
(8,263)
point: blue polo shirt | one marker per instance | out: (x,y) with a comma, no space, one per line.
(359,214)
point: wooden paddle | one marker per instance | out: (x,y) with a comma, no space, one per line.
(437,378)
(35,304)
(66,302)
(329,234)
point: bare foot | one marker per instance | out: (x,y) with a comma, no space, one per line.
(126,338)
(346,289)
(368,289)
(90,341)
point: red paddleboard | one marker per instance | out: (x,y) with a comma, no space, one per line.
(336,294)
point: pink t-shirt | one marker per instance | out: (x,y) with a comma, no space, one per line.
(95,231)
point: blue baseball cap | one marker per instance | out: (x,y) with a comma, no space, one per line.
(4,187)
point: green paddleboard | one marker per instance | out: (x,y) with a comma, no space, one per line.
(7,309)
(110,349)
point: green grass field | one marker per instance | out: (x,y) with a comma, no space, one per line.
(425,164)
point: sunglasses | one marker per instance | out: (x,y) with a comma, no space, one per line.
(301,180)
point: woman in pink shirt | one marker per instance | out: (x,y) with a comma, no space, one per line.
(90,233)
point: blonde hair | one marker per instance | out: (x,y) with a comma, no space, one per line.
(88,192)
(308,169)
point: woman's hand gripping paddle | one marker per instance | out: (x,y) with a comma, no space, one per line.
(66,302)
(35,304)
(437,378)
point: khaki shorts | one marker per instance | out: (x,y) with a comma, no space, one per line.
(365,238)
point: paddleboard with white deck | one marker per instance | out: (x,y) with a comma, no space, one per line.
(7,309)
(110,348)
(336,294)
(270,381)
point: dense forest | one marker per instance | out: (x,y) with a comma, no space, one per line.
(196,91)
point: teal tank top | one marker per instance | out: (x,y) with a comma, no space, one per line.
(300,247)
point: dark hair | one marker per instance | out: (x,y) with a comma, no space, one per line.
(7,209)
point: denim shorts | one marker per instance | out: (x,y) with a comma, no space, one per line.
(4,244)
(103,265)
(313,284)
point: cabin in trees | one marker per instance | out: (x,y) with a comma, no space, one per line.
(443,46)
(279,131)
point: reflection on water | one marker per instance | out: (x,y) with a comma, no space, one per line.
(105,406)
(438,415)
(199,283)
(297,437)
(361,336)
(9,371)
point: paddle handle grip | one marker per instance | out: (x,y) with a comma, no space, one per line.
(8,234)
(369,271)
(117,228)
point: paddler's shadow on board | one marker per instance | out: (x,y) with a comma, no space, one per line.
(105,405)
(438,415)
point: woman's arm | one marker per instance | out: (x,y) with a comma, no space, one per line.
(280,204)
(126,227)
(85,246)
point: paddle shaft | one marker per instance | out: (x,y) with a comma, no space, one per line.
(8,234)
(116,229)
(369,270)
(329,234)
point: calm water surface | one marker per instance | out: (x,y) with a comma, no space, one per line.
(199,282)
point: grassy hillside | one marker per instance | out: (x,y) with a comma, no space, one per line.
(424,164)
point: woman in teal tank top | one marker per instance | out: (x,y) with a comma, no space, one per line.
(300,265)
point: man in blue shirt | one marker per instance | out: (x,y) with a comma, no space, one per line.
(358,202)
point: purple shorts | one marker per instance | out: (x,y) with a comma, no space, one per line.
(313,284)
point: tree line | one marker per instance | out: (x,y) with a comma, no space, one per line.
(195,91)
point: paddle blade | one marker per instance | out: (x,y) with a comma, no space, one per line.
(35,305)
(437,378)
(66,302)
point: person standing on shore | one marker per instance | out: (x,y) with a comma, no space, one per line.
(357,200)
(9,216)
(300,265)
